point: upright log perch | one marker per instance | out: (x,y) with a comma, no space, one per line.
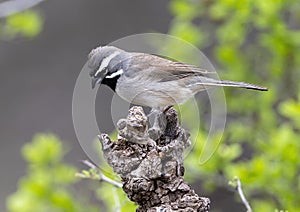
(152,171)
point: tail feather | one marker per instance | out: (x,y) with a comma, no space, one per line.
(227,83)
(241,85)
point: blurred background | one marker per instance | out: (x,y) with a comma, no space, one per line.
(43,48)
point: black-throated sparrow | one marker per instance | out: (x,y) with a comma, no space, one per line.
(150,80)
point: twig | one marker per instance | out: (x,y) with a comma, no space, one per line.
(15,6)
(89,164)
(238,186)
(99,175)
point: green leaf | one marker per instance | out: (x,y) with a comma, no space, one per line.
(28,23)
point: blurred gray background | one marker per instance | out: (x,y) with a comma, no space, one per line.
(38,75)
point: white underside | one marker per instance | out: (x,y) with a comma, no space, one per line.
(151,93)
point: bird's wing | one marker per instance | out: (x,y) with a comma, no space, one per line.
(163,69)
(158,69)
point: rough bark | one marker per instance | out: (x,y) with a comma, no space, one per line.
(152,170)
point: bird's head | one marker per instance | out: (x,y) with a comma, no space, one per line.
(105,62)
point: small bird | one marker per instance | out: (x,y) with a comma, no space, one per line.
(150,80)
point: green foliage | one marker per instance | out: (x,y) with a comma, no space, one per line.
(254,41)
(28,24)
(249,40)
(111,196)
(47,185)
(114,199)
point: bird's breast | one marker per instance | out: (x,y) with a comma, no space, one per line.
(154,94)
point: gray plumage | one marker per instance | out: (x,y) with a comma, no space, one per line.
(150,80)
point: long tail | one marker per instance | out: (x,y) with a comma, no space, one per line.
(214,82)
(241,85)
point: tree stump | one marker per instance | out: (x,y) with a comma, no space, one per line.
(152,170)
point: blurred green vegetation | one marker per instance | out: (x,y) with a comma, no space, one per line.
(26,24)
(48,183)
(248,40)
(254,41)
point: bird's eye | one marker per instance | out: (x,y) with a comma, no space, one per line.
(91,73)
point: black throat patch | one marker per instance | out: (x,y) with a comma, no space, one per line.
(111,82)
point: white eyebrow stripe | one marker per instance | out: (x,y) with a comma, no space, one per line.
(119,72)
(105,62)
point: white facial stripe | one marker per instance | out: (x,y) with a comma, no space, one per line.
(105,62)
(119,72)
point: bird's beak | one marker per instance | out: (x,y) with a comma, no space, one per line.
(96,81)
